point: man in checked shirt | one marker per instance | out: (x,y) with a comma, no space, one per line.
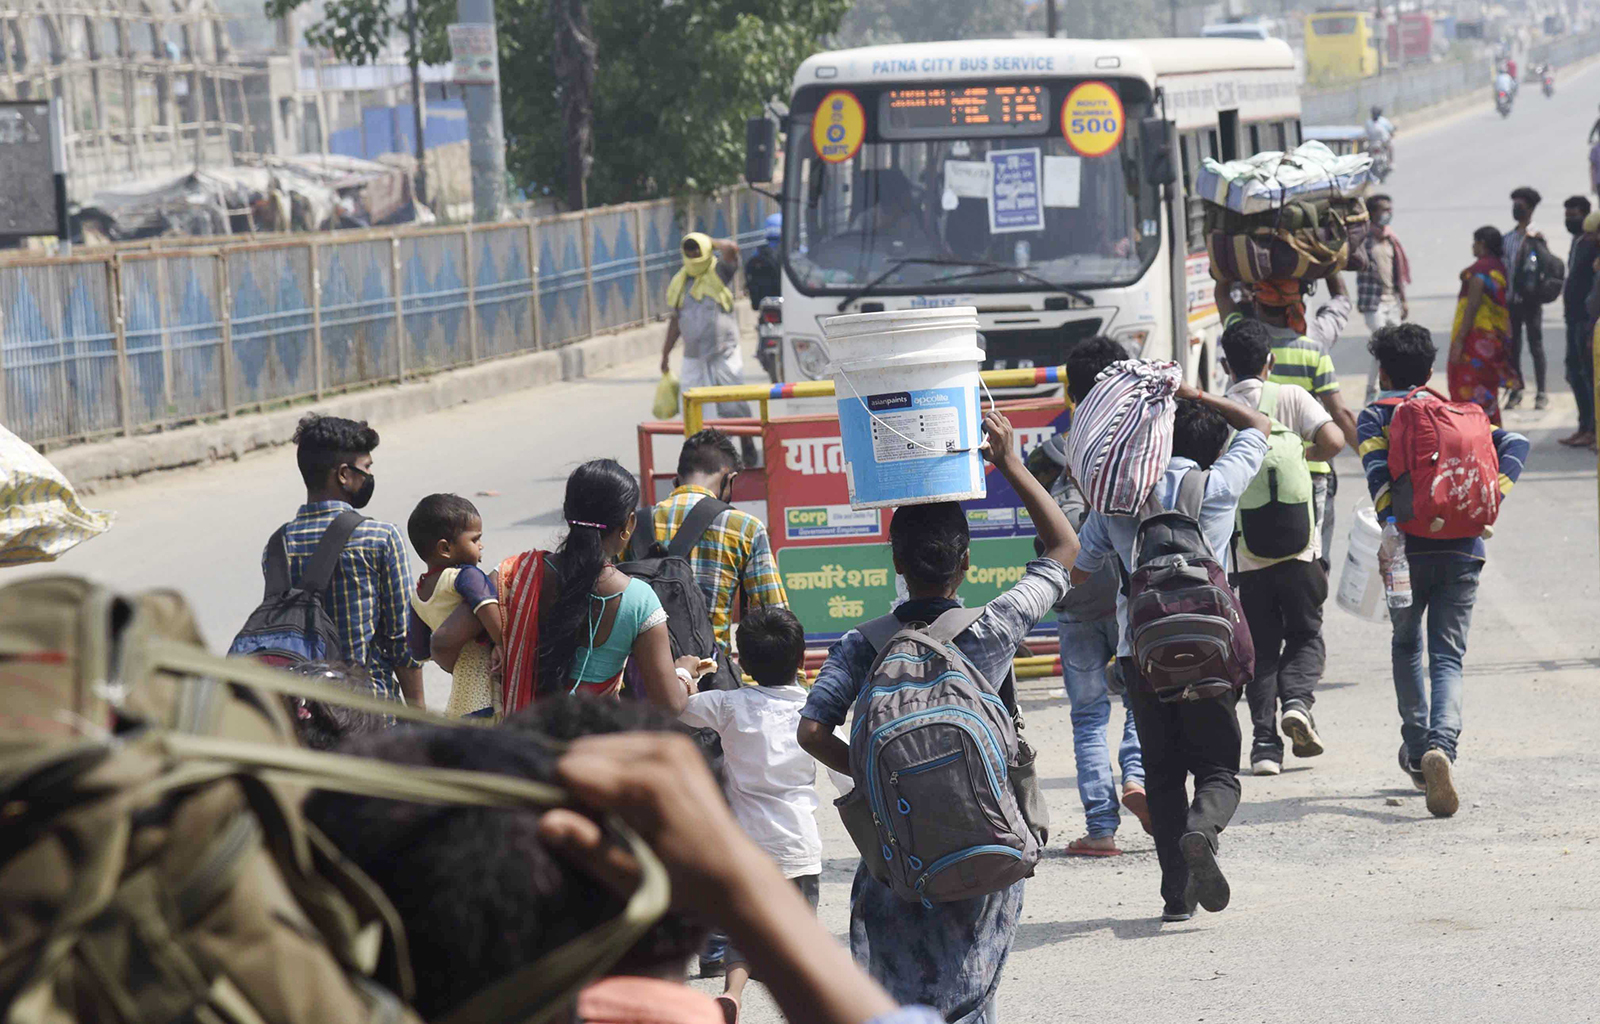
(368,596)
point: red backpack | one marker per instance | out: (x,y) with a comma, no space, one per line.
(1443,462)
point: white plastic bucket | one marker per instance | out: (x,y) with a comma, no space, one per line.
(906,383)
(1360,583)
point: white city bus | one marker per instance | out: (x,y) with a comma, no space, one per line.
(1044,181)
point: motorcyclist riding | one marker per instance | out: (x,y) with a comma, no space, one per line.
(1380,136)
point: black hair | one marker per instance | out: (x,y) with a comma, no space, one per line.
(1085,362)
(1374,200)
(324,443)
(1405,352)
(772,645)
(477,890)
(600,494)
(706,452)
(439,517)
(1527,195)
(691,248)
(1492,240)
(1581,202)
(565,717)
(1246,344)
(929,541)
(322,725)
(1198,432)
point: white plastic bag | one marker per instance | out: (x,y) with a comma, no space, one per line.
(41,518)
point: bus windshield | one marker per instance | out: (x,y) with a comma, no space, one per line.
(959,213)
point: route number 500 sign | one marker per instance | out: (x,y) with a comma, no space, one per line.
(1092,119)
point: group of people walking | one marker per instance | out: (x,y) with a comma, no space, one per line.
(1252,468)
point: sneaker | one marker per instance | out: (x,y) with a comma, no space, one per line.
(712,968)
(1299,726)
(1513,398)
(1210,886)
(1412,769)
(1441,789)
(1265,766)
(1172,913)
(1541,401)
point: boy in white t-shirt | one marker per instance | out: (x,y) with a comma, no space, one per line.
(1282,597)
(769,781)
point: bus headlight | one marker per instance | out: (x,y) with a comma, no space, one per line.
(1133,339)
(811,356)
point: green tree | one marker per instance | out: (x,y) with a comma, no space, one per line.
(673,84)
(871,22)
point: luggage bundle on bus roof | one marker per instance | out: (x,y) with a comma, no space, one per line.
(1275,215)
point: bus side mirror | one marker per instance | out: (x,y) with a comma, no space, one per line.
(760,149)
(1155,142)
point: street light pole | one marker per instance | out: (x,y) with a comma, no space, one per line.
(486,133)
(1174,8)
(1050,19)
(418,99)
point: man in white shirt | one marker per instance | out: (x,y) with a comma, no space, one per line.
(1281,590)
(769,780)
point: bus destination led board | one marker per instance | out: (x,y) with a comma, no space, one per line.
(969,111)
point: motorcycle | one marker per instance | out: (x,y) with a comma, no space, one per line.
(769,337)
(1382,164)
(1502,102)
(1549,83)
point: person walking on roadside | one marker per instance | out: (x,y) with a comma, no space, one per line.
(949,954)
(1302,353)
(1282,584)
(369,597)
(1527,315)
(1444,578)
(1580,325)
(701,301)
(1187,737)
(734,555)
(1477,366)
(1381,287)
(1087,627)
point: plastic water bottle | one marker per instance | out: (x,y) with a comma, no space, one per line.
(1396,567)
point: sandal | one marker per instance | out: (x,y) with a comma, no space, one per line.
(729,1007)
(1080,848)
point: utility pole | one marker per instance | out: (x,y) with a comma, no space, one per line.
(1174,30)
(486,133)
(1050,19)
(418,99)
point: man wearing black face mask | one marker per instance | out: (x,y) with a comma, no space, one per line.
(1574,296)
(1527,315)
(368,598)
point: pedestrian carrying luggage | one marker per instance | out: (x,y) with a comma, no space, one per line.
(156,863)
(666,568)
(291,625)
(1189,634)
(946,805)
(1305,239)
(1444,466)
(1276,511)
(1121,436)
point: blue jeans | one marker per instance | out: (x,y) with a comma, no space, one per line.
(1445,587)
(1086,647)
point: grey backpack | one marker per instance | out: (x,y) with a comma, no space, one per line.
(937,762)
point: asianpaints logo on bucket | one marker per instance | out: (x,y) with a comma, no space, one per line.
(894,400)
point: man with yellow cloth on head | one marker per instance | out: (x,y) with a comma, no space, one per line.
(702,315)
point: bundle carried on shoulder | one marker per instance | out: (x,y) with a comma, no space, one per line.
(1297,214)
(1121,435)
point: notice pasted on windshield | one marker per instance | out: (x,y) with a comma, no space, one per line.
(1016,201)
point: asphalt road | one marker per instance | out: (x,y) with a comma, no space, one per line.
(1350,903)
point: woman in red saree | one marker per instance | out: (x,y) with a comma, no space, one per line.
(1478,368)
(572,619)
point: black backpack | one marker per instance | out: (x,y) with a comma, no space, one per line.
(291,626)
(1541,274)
(670,575)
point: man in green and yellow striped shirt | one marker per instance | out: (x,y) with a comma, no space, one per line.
(1301,355)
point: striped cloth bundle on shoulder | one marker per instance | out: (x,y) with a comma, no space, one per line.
(1121,435)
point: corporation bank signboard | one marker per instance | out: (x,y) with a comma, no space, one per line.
(835,560)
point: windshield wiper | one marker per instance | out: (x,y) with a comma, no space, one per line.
(985,267)
(899,264)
